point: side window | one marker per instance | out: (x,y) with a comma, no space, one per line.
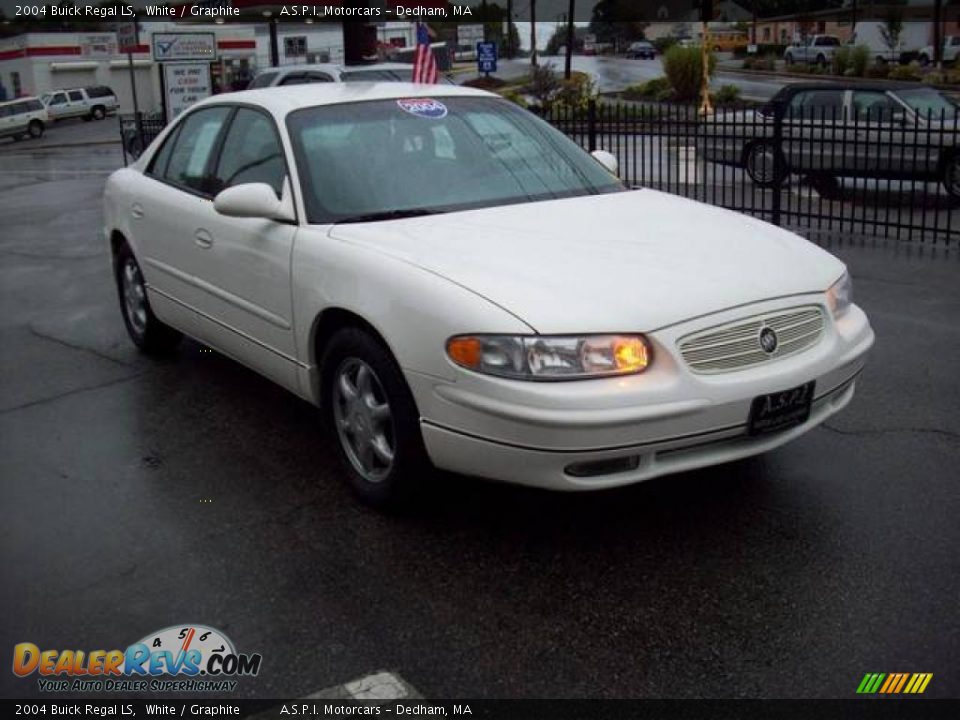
(874,106)
(58,99)
(251,153)
(191,151)
(262,80)
(75,95)
(825,104)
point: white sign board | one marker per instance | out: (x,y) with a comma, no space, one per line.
(185,84)
(127,39)
(469,34)
(177,47)
(98,45)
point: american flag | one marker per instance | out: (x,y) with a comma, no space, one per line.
(424,64)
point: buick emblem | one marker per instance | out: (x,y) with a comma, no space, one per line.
(768,340)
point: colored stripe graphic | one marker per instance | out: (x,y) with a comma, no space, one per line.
(894,683)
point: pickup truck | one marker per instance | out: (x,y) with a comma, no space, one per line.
(951,50)
(94,102)
(817,49)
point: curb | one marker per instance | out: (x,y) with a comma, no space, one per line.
(59,145)
(813,77)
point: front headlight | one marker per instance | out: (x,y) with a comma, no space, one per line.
(840,295)
(550,358)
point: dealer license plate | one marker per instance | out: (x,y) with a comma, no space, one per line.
(780,410)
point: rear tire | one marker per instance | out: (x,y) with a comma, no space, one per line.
(369,409)
(923,60)
(149,334)
(98,113)
(35,129)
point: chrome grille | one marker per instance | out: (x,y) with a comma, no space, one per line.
(736,345)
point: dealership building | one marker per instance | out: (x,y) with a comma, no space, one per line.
(35,63)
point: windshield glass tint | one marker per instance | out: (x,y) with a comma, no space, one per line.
(924,100)
(367,158)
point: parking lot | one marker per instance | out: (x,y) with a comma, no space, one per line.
(141,494)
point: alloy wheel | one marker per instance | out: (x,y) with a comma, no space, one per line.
(134,296)
(761,164)
(364,420)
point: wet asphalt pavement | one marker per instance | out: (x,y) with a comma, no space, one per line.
(139,494)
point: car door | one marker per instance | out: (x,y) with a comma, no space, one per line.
(879,121)
(76,103)
(57,106)
(813,130)
(165,211)
(244,263)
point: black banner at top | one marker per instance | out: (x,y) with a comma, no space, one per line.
(467,11)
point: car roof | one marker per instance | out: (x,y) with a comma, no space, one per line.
(842,87)
(333,67)
(283,99)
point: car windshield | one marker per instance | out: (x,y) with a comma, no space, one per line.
(926,101)
(400,157)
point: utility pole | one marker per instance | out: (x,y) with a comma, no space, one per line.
(568,62)
(937,35)
(510,29)
(533,33)
(274,43)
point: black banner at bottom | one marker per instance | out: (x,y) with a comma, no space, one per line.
(886,709)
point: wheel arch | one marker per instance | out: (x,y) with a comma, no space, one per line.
(327,323)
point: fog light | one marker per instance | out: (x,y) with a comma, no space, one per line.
(610,466)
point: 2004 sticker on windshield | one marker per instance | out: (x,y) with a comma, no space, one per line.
(423,107)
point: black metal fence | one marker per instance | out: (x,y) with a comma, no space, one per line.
(137,130)
(875,172)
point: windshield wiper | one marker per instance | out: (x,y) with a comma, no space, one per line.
(391,215)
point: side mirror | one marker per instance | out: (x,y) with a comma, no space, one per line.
(607,160)
(254,200)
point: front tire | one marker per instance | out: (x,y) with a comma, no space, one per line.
(950,175)
(149,334)
(764,164)
(788,59)
(373,416)
(35,128)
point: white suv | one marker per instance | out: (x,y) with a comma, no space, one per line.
(23,116)
(94,102)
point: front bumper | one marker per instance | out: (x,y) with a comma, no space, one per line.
(666,420)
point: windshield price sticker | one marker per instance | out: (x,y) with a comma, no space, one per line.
(423,107)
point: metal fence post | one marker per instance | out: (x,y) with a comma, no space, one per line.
(592,124)
(777,163)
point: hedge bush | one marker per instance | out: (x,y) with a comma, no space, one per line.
(654,89)
(860,60)
(905,72)
(684,68)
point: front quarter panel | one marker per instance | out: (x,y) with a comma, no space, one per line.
(415,311)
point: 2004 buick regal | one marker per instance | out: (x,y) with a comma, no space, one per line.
(455,282)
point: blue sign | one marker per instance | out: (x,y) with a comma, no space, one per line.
(486,57)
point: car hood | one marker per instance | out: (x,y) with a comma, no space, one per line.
(630,261)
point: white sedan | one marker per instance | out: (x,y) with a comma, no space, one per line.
(456,283)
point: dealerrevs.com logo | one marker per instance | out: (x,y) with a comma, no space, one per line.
(180,658)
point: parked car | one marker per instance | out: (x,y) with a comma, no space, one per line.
(94,102)
(898,131)
(641,50)
(330,72)
(818,49)
(23,117)
(951,50)
(455,282)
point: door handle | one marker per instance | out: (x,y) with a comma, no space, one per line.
(203,239)
(136,210)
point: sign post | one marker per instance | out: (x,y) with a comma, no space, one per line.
(128,40)
(185,59)
(486,57)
